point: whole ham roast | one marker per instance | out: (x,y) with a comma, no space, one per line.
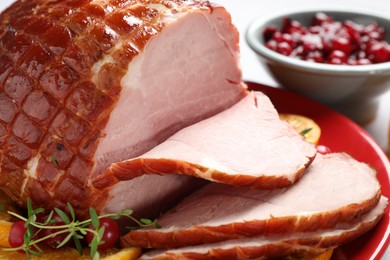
(85,84)
(140,104)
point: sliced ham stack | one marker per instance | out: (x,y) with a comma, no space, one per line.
(278,246)
(336,188)
(240,146)
(245,145)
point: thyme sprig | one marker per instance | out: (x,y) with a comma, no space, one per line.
(75,229)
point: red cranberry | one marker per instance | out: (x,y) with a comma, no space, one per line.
(16,236)
(110,235)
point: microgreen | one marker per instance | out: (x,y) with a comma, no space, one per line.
(53,159)
(306,131)
(74,229)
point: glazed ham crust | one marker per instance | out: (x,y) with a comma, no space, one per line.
(65,68)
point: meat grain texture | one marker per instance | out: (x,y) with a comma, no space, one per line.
(88,83)
(246,145)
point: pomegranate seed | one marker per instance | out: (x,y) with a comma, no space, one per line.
(288,38)
(321,18)
(315,56)
(286,24)
(315,30)
(272,44)
(375,36)
(352,30)
(269,32)
(311,42)
(342,44)
(352,61)
(361,54)
(296,26)
(337,57)
(378,52)
(277,37)
(363,62)
(284,48)
(329,41)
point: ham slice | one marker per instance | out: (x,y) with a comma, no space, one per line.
(336,188)
(84,84)
(245,145)
(276,246)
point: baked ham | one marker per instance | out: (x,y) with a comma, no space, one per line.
(245,145)
(84,84)
(278,246)
(335,188)
(89,87)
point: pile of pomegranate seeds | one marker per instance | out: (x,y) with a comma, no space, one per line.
(329,41)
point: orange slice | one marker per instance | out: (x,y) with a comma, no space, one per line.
(324,256)
(68,253)
(5,229)
(304,125)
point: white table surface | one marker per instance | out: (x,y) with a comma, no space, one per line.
(244,11)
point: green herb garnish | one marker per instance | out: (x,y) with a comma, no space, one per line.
(75,229)
(305,131)
(53,159)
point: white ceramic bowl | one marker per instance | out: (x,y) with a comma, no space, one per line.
(352,90)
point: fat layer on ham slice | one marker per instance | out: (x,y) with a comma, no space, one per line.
(84,84)
(276,246)
(245,145)
(336,188)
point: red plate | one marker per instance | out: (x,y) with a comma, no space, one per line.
(341,134)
